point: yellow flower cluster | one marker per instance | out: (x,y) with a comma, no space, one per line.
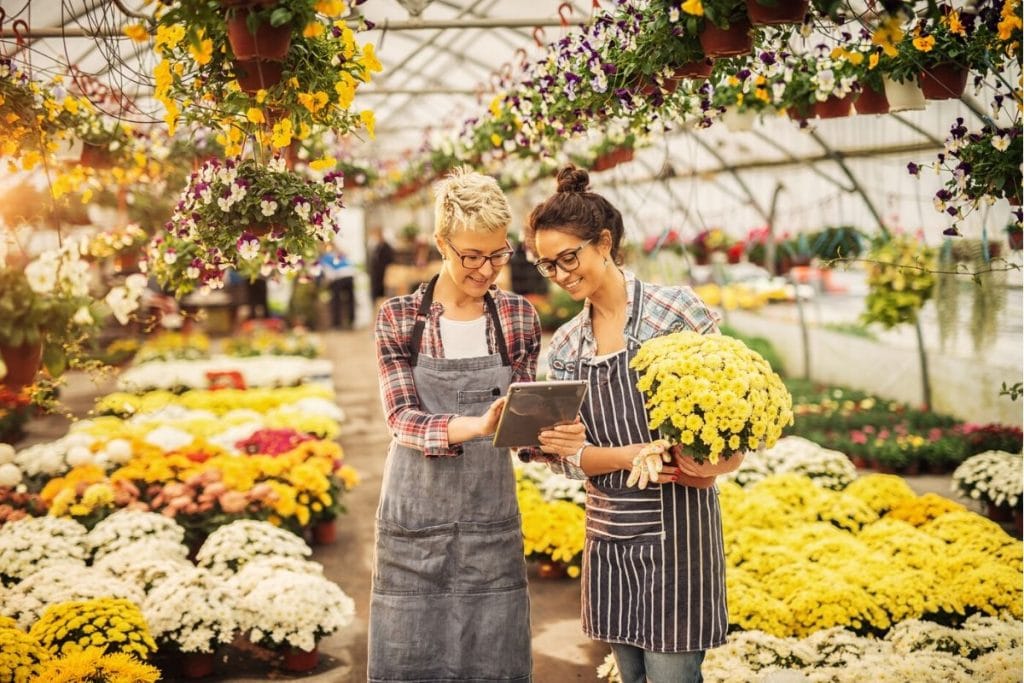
(882,492)
(219,402)
(923,509)
(795,566)
(711,394)
(552,530)
(109,427)
(21,655)
(169,345)
(84,494)
(109,625)
(91,665)
(738,295)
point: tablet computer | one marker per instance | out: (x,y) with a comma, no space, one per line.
(532,407)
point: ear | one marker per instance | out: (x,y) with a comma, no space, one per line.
(604,242)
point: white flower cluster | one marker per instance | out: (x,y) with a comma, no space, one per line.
(794,454)
(554,486)
(32,543)
(193,610)
(231,546)
(296,609)
(991,477)
(257,372)
(258,570)
(55,458)
(127,527)
(26,601)
(10,474)
(146,564)
(984,649)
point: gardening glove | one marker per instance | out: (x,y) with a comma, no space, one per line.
(648,462)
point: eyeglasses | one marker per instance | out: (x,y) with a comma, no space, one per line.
(476,261)
(567,261)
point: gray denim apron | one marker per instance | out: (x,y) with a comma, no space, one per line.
(449,599)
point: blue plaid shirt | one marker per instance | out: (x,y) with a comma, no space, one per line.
(664,310)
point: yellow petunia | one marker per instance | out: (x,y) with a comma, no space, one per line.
(255,115)
(330,8)
(136,32)
(202,52)
(281,135)
(693,7)
(313,29)
(924,43)
(887,35)
(369,121)
(370,60)
(323,164)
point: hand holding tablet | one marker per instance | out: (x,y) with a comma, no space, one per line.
(532,407)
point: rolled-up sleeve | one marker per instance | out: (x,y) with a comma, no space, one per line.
(410,425)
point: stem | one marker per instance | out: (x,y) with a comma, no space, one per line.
(926,386)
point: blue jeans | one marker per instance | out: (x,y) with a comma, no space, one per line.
(640,666)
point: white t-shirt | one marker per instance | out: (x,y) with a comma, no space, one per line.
(464,338)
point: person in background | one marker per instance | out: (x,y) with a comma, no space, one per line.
(653,562)
(382,255)
(449,600)
(339,275)
(525,278)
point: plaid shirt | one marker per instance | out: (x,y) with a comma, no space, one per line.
(410,425)
(664,310)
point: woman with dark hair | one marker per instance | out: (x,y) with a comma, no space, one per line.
(654,565)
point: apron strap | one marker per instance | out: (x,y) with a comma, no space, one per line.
(424,311)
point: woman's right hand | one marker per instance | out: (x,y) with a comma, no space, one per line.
(649,464)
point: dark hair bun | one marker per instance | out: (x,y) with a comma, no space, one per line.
(572,179)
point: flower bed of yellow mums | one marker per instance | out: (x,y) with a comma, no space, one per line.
(802,559)
(552,530)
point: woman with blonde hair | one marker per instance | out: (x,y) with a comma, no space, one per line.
(449,599)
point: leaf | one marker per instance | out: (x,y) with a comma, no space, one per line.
(280,16)
(54,359)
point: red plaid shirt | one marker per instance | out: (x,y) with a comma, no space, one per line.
(410,425)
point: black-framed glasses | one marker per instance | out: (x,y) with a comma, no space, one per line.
(476,261)
(568,261)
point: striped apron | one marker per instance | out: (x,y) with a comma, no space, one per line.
(654,562)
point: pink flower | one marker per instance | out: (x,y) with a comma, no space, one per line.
(233,502)
(858,437)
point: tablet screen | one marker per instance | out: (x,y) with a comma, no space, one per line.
(532,407)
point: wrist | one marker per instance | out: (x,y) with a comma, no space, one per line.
(576,457)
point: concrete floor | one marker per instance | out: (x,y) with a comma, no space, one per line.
(561,652)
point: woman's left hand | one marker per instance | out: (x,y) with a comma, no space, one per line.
(563,440)
(688,466)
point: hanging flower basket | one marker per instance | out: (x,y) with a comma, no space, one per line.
(611,159)
(266,42)
(729,42)
(1015,239)
(698,70)
(300,661)
(256,74)
(871,101)
(800,112)
(782,12)
(903,95)
(944,81)
(22,364)
(834,107)
(96,156)
(739,121)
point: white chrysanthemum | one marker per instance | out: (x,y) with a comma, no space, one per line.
(192,610)
(231,546)
(315,608)
(126,527)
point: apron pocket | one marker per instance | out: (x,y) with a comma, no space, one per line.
(414,561)
(490,557)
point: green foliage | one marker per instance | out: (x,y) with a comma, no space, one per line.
(901,279)
(852,329)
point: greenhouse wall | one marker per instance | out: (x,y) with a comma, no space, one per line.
(967,389)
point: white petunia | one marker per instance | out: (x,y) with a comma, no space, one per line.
(268,207)
(1001,142)
(82,317)
(41,275)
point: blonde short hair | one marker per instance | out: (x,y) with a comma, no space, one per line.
(471,201)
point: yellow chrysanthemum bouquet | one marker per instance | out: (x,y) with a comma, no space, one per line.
(711,395)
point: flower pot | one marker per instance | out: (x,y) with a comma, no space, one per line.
(698,70)
(871,101)
(550,569)
(739,121)
(784,12)
(95,156)
(1018,523)
(834,107)
(299,661)
(859,461)
(611,159)
(912,468)
(268,42)
(325,532)
(1015,239)
(800,112)
(903,96)
(735,40)
(197,664)
(256,74)
(999,513)
(944,81)
(22,364)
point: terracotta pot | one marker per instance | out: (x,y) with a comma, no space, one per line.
(834,107)
(269,43)
(1015,239)
(22,364)
(325,532)
(784,12)
(903,95)
(257,74)
(611,159)
(859,461)
(197,664)
(698,70)
(999,513)
(549,569)
(800,112)
(944,81)
(735,40)
(912,468)
(300,661)
(95,156)
(871,101)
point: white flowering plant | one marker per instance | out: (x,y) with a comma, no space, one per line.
(314,608)
(127,527)
(258,219)
(991,477)
(554,486)
(26,601)
(814,77)
(191,611)
(827,468)
(255,572)
(146,564)
(284,371)
(231,546)
(32,543)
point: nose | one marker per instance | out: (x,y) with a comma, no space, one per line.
(487,269)
(561,274)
